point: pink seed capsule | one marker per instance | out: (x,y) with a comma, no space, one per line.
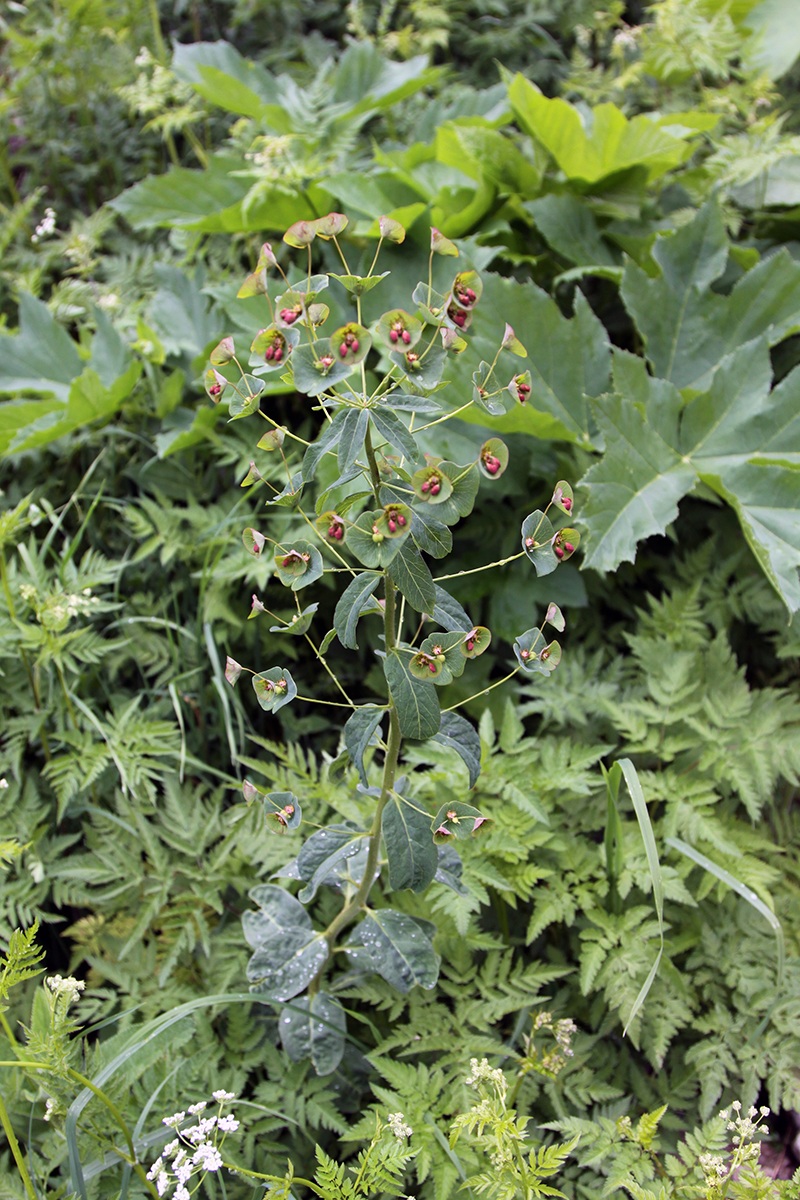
(569,548)
(392,526)
(435,489)
(471,644)
(354,345)
(406,336)
(393,335)
(566,502)
(215,389)
(343,350)
(432,668)
(278,353)
(559,553)
(426,486)
(269,353)
(401,520)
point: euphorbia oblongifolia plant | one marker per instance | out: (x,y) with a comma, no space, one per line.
(389,511)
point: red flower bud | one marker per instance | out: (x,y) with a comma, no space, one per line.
(215,389)
(569,548)
(393,335)
(559,553)
(406,336)
(566,502)
(343,350)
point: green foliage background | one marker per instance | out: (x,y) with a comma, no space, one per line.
(625,180)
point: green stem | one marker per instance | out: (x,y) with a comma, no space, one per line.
(86,1083)
(477,695)
(501,562)
(359,900)
(16,1152)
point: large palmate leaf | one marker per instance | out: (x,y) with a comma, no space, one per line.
(687,327)
(42,358)
(739,438)
(212,200)
(592,147)
(568,360)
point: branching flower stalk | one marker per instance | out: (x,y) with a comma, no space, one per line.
(379,391)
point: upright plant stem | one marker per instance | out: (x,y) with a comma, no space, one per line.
(16,1152)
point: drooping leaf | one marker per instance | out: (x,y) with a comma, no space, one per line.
(314,1027)
(409,845)
(358,733)
(288,953)
(351,605)
(329,854)
(457,733)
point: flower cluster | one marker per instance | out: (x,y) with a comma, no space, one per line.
(745,1127)
(196,1149)
(397,1124)
(57,610)
(69,987)
(46,226)
(482,1071)
(552,1061)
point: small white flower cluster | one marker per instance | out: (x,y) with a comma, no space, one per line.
(196,1149)
(556,1059)
(713,1167)
(745,1128)
(45,227)
(397,1124)
(55,611)
(479,1071)
(69,987)
(3,783)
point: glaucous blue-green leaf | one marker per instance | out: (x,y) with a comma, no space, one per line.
(447,646)
(410,851)
(274,688)
(351,440)
(392,430)
(396,946)
(298,623)
(312,373)
(409,572)
(456,820)
(739,438)
(568,361)
(466,482)
(351,605)
(687,327)
(288,953)
(325,858)
(282,809)
(327,440)
(358,732)
(450,869)
(430,534)
(417,704)
(457,733)
(448,612)
(314,1027)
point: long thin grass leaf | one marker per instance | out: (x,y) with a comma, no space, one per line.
(628,770)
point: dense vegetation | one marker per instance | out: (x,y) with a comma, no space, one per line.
(515,291)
